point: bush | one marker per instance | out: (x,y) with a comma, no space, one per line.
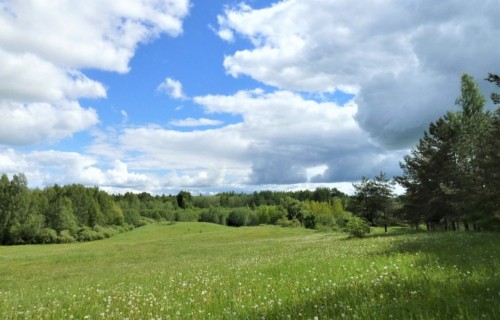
(284,222)
(187,215)
(357,227)
(310,221)
(326,222)
(213,215)
(241,217)
(252,219)
(87,234)
(65,237)
(145,221)
(132,216)
(47,235)
(107,232)
(343,218)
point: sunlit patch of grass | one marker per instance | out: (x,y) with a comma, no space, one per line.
(205,271)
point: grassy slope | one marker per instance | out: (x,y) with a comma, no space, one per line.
(205,271)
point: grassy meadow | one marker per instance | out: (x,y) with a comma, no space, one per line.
(208,271)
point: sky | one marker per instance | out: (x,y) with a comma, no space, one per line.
(211,96)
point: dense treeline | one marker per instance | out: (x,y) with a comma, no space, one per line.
(452,176)
(322,207)
(56,214)
(62,214)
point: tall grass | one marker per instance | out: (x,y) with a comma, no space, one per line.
(206,271)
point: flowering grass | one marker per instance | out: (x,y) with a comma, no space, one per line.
(206,271)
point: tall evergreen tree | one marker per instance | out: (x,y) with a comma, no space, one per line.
(372,197)
(447,173)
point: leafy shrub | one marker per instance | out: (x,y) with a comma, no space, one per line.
(326,222)
(132,216)
(87,234)
(65,237)
(241,217)
(284,222)
(213,215)
(343,218)
(276,214)
(270,214)
(310,221)
(47,235)
(145,221)
(252,219)
(357,227)
(187,215)
(107,232)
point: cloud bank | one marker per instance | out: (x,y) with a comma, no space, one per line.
(402,58)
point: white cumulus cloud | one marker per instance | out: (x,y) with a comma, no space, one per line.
(45,45)
(191,122)
(22,124)
(172,88)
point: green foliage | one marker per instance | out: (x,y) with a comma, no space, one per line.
(310,221)
(490,222)
(88,234)
(294,209)
(14,208)
(187,215)
(65,237)
(213,215)
(61,216)
(206,202)
(184,200)
(47,235)
(494,78)
(294,223)
(357,227)
(343,218)
(452,176)
(107,232)
(372,197)
(269,214)
(243,216)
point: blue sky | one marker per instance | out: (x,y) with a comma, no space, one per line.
(206,96)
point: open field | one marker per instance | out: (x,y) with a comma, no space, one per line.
(206,271)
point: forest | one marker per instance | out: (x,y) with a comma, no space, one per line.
(451,178)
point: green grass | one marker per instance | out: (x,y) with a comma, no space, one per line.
(205,271)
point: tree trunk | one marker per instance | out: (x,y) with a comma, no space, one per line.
(385,227)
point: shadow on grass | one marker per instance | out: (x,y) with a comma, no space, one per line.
(392,232)
(460,249)
(412,300)
(455,276)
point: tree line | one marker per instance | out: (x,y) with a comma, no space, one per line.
(63,214)
(452,175)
